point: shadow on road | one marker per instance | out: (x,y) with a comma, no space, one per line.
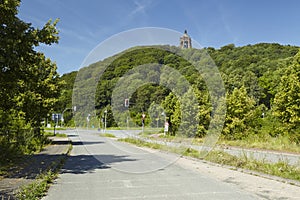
(81,164)
(34,165)
(65,142)
(86,143)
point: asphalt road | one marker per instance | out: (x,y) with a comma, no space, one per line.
(102,168)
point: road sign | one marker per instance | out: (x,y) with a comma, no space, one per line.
(56,117)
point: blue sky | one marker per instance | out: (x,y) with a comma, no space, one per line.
(213,23)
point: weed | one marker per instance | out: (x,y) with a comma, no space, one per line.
(38,188)
(267,142)
(281,169)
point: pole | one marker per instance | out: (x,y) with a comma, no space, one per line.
(54,127)
(62,115)
(127,121)
(88,121)
(105,115)
(143,121)
(55,121)
(165,116)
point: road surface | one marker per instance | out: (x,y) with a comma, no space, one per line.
(102,168)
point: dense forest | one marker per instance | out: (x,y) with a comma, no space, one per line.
(262,86)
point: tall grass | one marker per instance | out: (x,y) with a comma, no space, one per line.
(266,142)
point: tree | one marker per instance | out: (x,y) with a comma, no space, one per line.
(29,82)
(155,113)
(204,112)
(287,99)
(239,114)
(172,111)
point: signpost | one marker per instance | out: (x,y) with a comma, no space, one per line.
(87,121)
(56,117)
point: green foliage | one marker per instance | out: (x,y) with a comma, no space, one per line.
(38,188)
(287,100)
(189,113)
(204,112)
(172,112)
(281,168)
(251,75)
(264,140)
(29,82)
(155,113)
(108,114)
(240,113)
(64,102)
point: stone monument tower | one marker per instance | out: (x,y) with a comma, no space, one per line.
(185,41)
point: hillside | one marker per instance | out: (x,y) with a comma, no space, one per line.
(251,74)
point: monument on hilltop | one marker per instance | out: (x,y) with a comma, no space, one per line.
(185,41)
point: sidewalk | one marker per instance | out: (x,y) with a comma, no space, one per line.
(32,166)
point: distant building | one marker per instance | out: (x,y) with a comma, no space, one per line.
(185,41)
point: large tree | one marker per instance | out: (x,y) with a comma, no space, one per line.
(29,82)
(287,99)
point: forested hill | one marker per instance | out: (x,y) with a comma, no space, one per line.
(251,73)
(258,67)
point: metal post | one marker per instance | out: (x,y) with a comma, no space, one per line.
(88,121)
(62,115)
(165,125)
(105,116)
(55,121)
(127,121)
(54,127)
(165,116)
(143,121)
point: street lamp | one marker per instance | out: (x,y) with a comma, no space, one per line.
(88,120)
(105,116)
(62,115)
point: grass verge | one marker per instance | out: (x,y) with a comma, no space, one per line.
(151,145)
(57,134)
(280,169)
(107,135)
(39,187)
(56,128)
(280,143)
